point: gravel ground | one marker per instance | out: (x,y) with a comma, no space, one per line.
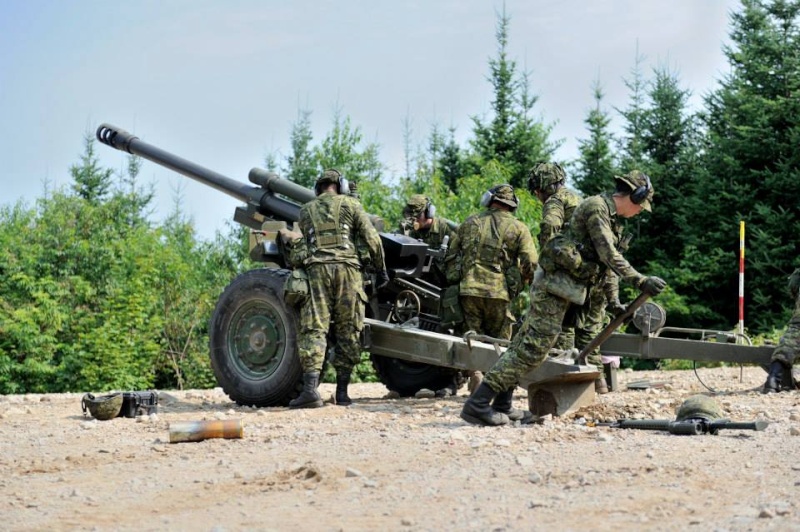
(404,464)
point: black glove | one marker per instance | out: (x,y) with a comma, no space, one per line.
(653,285)
(383,280)
(616,308)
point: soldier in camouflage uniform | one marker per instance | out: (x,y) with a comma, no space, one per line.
(572,263)
(492,257)
(420,222)
(547,182)
(331,224)
(780,369)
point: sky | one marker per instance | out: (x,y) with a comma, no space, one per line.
(221,82)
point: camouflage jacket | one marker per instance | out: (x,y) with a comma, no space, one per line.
(331,224)
(556,213)
(491,251)
(434,237)
(597,231)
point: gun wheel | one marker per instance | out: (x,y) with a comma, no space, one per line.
(252,339)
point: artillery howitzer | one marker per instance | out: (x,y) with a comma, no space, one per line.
(252,332)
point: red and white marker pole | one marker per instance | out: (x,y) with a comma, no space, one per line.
(741,282)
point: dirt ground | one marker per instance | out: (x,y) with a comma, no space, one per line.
(404,464)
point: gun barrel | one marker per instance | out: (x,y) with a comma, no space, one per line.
(738,425)
(262,197)
(673,427)
(124,141)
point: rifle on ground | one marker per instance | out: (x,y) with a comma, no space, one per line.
(688,427)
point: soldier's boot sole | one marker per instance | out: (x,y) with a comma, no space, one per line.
(517,414)
(306,401)
(343,400)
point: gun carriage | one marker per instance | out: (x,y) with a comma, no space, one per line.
(253,332)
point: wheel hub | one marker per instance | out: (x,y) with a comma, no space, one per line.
(257,338)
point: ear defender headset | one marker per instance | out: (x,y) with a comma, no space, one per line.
(639,195)
(430,209)
(342,184)
(489,196)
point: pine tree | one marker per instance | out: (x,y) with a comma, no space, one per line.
(513,137)
(595,166)
(91,181)
(300,164)
(753,122)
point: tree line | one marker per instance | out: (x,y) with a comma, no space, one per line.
(94,295)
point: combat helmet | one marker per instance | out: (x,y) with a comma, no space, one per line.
(699,406)
(546,177)
(329,176)
(102,407)
(502,194)
(640,186)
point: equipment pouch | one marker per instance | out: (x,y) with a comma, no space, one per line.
(450,306)
(561,284)
(561,252)
(296,290)
(513,282)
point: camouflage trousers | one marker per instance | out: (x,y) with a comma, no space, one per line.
(566,340)
(789,344)
(589,321)
(530,346)
(336,304)
(487,316)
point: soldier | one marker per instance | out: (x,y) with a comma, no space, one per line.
(491,258)
(780,369)
(572,262)
(546,181)
(331,224)
(420,222)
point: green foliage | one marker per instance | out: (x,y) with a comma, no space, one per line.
(595,168)
(514,137)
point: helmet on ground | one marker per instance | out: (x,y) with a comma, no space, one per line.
(102,407)
(699,406)
(546,177)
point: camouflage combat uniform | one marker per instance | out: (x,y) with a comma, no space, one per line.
(491,258)
(433,236)
(556,213)
(330,224)
(789,344)
(595,230)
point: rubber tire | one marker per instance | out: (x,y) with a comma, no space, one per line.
(407,378)
(254,301)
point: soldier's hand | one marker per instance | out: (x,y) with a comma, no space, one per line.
(383,280)
(653,285)
(616,308)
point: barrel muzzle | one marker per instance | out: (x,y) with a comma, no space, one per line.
(115,137)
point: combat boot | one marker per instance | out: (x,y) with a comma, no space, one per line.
(309,397)
(600,386)
(342,382)
(775,379)
(478,408)
(502,403)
